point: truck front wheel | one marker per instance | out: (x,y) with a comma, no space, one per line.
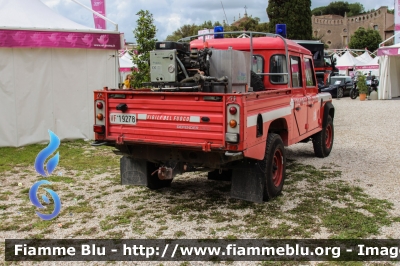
(323,140)
(274,165)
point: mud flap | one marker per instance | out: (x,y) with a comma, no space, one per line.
(248,183)
(133,171)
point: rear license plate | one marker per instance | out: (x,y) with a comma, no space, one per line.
(126,119)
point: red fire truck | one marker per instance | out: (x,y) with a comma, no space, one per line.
(227,106)
(324,64)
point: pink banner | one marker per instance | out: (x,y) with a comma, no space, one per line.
(344,67)
(368,67)
(100,7)
(26,38)
(388,51)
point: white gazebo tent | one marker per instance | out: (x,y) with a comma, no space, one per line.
(49,68)
(346,62)
(336,56)
(125,65)
(365,57)
(389,65)
(371,66)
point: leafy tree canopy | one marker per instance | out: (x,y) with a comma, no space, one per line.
(190,30)
(339,8)
(296,14)
(144,33)
(363,38)
(251,24)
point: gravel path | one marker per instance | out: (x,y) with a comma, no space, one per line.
(366,149)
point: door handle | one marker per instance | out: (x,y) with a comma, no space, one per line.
(298,108)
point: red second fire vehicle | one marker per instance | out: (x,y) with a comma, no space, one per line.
(228,106)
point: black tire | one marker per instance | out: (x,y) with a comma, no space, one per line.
(225,175)
(353,94)
(323,140)
(256,82)
(153,182)
(274,166)
(339,93)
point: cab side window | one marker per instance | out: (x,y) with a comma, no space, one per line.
(278,69)
(309,72)
(257,65)
(295,66)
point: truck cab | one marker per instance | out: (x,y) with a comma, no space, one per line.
(227,106)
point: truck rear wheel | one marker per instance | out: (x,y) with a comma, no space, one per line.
(274,165)
(153,182)
(323,140)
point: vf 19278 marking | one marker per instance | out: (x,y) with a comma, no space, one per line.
(126,119)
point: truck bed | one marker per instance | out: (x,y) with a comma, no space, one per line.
(178,119)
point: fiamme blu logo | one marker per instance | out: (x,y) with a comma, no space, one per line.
(40,168)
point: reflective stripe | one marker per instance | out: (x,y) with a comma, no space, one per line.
(195,119)
(142,116)
(269,116)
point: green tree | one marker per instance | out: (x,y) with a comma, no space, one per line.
(190,30)
(184,31)
(339,8)
(251,24)
(355,9)
(144,33)
(319,11)
(363,38)
(296,14)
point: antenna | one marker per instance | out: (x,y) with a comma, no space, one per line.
(224,13)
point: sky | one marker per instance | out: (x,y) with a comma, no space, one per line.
(170,15)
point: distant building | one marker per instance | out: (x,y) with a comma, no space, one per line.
(130,46)
(336,30)
(240,20)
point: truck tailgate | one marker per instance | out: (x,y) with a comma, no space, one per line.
(178,119)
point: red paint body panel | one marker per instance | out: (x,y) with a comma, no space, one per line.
(186,120)
(243,44)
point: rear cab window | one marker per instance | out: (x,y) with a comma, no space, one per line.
(278,69)
(310,79)
(257,65)
(295,65)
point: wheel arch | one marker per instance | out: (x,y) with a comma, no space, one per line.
(280,126)
(329,110)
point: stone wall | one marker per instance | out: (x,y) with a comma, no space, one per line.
(336,30)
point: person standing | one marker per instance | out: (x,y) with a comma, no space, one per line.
(127,82)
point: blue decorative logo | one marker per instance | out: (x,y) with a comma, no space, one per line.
(45,153)
(51,165)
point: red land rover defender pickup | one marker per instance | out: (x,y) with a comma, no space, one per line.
(227,106)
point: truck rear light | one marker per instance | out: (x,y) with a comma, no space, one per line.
(99,116)
(100,129)
(232,137)
(232,123)
(233,110)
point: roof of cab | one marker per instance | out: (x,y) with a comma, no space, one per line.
(243,44)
